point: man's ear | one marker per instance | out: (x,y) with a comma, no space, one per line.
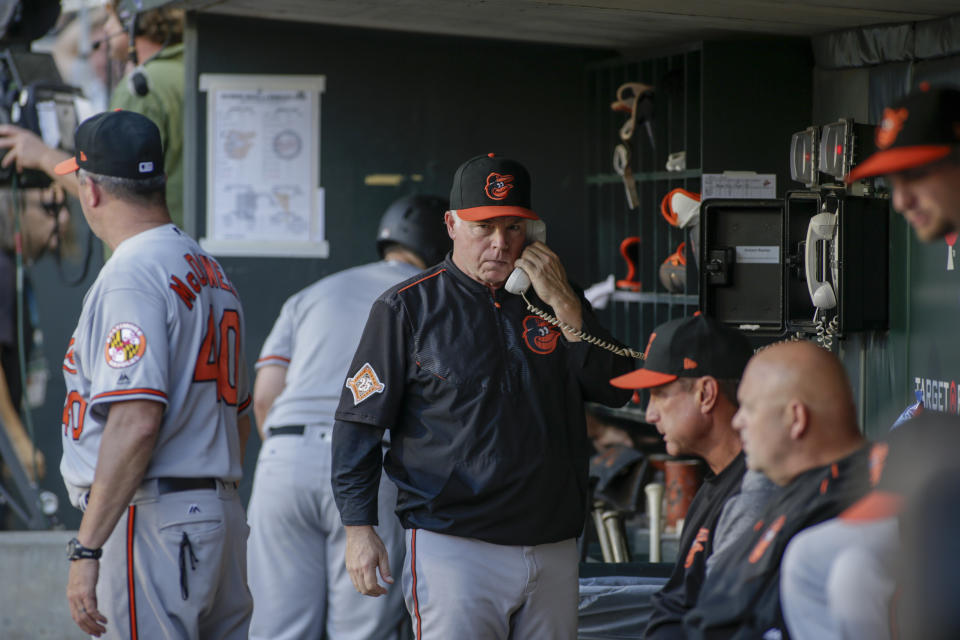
(95,193)
(798,417)
(451,223)
(707,393)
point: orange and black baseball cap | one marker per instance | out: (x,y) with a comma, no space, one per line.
(919,129)
(689,348)
(122,144)
(905,462)
(491,187)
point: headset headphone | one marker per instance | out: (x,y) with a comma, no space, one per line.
(138,81)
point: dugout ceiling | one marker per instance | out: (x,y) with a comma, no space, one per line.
(617,24)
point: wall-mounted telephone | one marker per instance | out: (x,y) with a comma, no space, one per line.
(821,242)
(822,254)
(519,282)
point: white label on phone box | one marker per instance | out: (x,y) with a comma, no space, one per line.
(758,255)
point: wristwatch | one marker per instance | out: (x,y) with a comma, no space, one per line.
(76,551)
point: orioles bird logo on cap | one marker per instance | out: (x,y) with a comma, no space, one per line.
(498,186)
(890,127)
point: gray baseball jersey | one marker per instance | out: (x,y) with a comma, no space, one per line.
(305,591)
(317,355)
(163,323)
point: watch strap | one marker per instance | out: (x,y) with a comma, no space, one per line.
(76,551)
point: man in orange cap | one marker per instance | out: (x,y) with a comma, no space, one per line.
(692,368)
(918,145)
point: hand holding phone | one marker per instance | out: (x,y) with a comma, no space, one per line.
(519,281)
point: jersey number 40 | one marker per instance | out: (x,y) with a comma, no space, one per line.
(218,360)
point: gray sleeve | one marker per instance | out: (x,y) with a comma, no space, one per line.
(278,347)
(740,513)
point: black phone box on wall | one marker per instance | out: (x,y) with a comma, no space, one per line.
(859,263)
(742,268)
(753,255)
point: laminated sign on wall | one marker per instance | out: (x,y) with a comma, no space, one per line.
(263,166)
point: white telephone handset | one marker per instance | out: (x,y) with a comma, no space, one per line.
(822,227)
(519,281)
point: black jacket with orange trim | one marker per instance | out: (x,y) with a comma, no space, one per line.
(679,594)
(741,596)
(484,402)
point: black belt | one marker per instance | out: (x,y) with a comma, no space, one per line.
(291,430)
(172,485)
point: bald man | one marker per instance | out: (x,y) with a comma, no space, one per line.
(797,422)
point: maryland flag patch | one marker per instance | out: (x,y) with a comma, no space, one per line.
(126,344)
(364,384)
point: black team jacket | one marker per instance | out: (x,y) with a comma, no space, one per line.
(680,592)
(741,598)
(484,402)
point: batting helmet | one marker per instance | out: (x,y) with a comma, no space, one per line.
(416,222)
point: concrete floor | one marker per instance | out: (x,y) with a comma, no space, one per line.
(33,570)
(33,582)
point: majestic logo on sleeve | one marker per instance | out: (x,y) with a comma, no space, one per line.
(364,384)
(498,186)
(126,344)
(541,336)
(890,127)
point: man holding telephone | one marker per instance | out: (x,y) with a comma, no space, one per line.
(484,402)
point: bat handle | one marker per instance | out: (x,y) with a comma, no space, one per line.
(654,492)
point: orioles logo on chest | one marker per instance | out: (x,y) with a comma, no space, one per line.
(539,335)
(498,186)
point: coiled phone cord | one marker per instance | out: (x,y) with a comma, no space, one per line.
(586,337)
(827,331)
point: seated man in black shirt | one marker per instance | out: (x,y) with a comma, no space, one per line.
(798,424)
(692,369)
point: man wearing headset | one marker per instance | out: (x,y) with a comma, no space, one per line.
(152,44)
